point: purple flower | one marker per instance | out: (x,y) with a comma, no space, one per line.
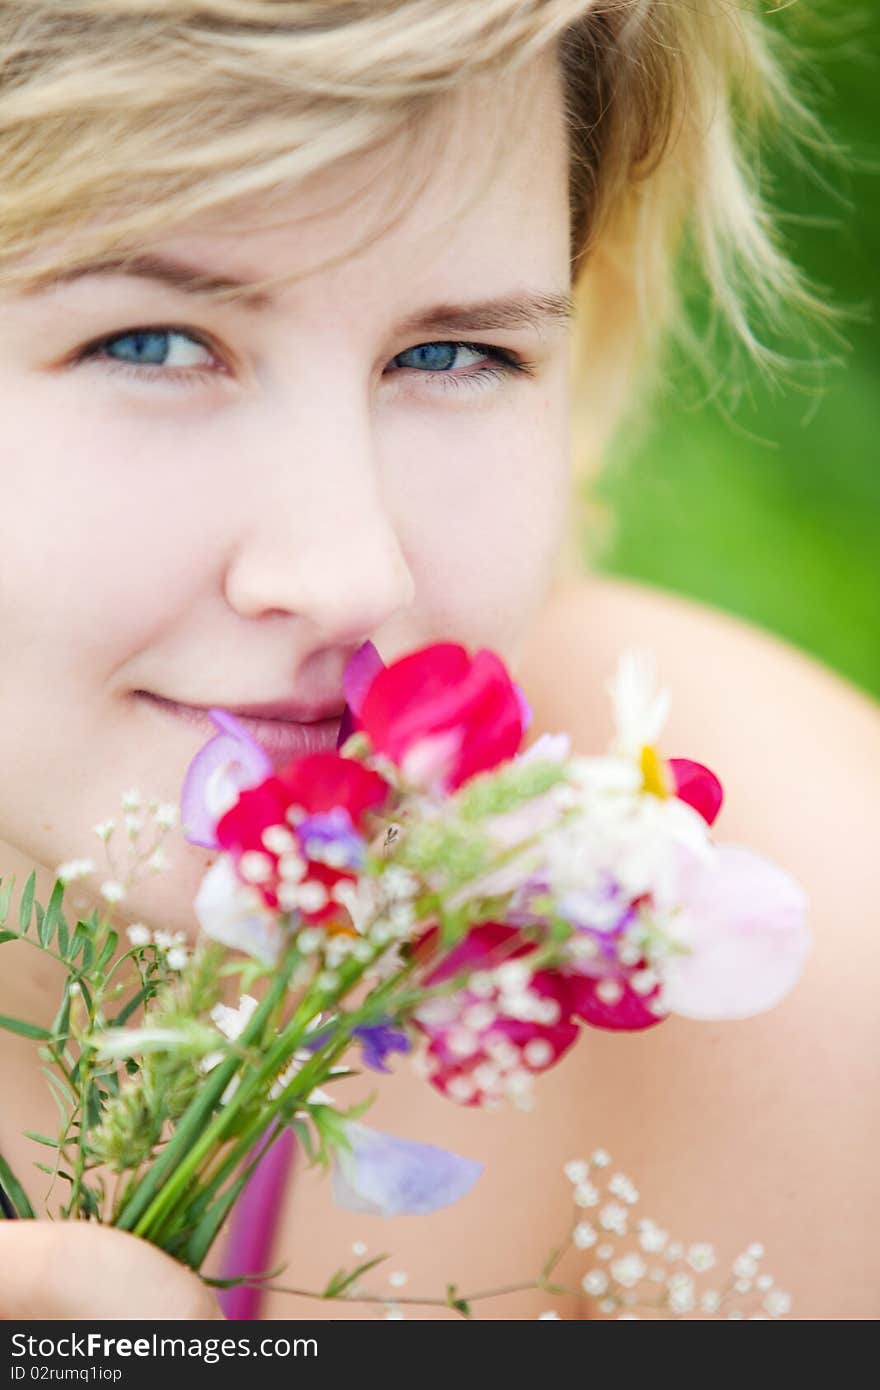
(333,831)
(386,1176)
(356,679)
(377,1040)
(219,771)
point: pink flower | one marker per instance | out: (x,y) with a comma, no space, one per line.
(442,716)
(695,784)
(299,832)
(743,921)
(485,1041)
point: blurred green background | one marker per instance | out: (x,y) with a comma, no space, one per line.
(773,512)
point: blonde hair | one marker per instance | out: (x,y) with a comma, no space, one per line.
(146,113)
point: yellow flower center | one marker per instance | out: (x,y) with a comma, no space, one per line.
(655,774)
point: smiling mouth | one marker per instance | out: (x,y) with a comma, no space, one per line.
(282,739)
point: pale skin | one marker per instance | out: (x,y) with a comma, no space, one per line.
(404,510)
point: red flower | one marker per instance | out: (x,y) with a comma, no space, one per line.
(695,784)
(608,1002)
(484,1041)
(443,716)
(300,831)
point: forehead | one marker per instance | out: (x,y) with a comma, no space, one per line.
(476,191)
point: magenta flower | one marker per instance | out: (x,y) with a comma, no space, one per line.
(442,715)
(485,1046)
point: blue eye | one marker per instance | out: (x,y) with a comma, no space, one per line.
(149,347)
(157,347)
(487,364)
(431,357)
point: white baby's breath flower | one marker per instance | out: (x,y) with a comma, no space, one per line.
(167,940)
(131,800)
(158,860)
(112,891)
(777,1303)
(629,1270)
(166,814)
(73,869)
(139,934)
(134,824)
(585,1235)
(576,1170)
(586,1195)
(543,1317)
(177,958)
(104,829)
(312,896)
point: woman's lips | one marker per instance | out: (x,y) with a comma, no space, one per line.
(282,739)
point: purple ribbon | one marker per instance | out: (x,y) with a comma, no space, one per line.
(252,1228)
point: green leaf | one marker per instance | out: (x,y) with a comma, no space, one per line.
(59,1086)
(90,1202)
(53,1172)
(14,1191)
(27,901)
(342,1281)
(8,936)
(128,1009)
(40,915)
(4,899)
(304,1135)
(24,1030)
(244,1278)
(92,1105)
(460,1305)
(63,937)
(88,953)
(107,950)
(41,1139)
(47,927)
(77,941)
(61,1023)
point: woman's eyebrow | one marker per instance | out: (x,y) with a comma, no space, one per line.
(533,309)
(524,309)
(165,270)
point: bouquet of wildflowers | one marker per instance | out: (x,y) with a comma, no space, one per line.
(426,889)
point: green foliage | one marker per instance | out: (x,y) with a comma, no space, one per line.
(771,509)
(507,787)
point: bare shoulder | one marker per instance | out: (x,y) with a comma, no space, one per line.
(764,1129)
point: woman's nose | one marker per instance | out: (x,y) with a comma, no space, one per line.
(323,547)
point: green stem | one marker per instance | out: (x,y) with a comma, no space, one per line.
(161,1202)
(192,1123)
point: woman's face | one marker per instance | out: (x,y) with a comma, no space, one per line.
(217,503)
